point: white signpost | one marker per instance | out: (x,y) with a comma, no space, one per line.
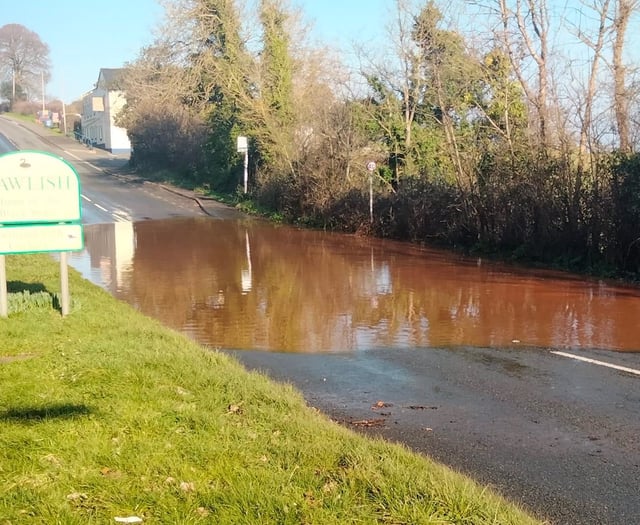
(243,147)
(39,212)
(371,167)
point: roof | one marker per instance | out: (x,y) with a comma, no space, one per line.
(111,77)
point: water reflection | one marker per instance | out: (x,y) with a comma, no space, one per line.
(252,285)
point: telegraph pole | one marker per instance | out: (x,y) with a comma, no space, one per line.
(42,81)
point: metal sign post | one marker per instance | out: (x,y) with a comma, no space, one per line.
(4,294)
(64,284)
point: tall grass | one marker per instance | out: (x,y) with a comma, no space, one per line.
(108,414)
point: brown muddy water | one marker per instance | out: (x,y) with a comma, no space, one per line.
(254,285)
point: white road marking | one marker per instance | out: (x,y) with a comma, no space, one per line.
(599,363)
(83,161)
(117,215)
(72,155)
(120,218)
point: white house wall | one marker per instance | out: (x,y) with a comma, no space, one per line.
(117,140)
(100,108)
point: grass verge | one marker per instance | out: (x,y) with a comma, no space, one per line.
(105,413)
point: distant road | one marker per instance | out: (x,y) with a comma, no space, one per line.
(106,197)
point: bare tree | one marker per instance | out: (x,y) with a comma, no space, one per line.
(596,42)
(24,59)
(525,37)
(624,11)
(398,82)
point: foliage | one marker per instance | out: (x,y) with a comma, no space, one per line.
(26,109)
(25,300)
(7,92)
(625,216)
(224,61)
(170,140)
(275,129)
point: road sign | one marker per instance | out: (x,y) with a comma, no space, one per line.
(371,166)
(31,238)
(37,187)
(243,147)
(39,212)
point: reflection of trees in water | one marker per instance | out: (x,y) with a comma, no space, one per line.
(312,291)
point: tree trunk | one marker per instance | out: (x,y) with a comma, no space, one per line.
(620,99)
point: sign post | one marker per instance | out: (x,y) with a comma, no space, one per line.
(371,167)
(64,284)
(39,212)
(243,147)
(4,294)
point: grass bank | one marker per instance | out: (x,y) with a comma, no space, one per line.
(105,414)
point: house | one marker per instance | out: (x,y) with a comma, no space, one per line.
(99,110)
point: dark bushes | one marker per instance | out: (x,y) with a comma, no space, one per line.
(539,209)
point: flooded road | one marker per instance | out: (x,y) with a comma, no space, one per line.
(253,285)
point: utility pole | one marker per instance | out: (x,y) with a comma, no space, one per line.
(42,82)
(64,118)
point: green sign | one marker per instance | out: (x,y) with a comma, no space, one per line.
(30,238)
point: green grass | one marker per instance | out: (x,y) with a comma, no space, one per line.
(32,118)
(20,116)
(106,413)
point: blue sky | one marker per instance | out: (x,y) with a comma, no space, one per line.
(83,36)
